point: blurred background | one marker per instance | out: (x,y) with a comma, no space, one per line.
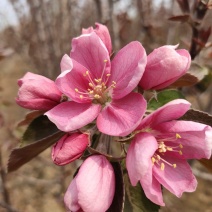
(35,34)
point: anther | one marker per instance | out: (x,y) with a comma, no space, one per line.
(90,84)
(180,152)
(96,96)
(105,61)
(81,96)
(178,135)
(76,90)
(108,75)
(174,165)
(162,166)
(153,160)
(181,146)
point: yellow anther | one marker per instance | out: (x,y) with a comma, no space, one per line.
(76,90)
(98,80)
(90,84)
(181,146)
(169,148)
(105,61)
(81,96)
(174,165)
(91,92)
(153,160)
(180,152)
(178,135)
(108,75)
(87,72)
(114,82)
(96,96)
(162,166)
(158,157)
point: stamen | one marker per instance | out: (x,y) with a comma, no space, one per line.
(162,166)
(153,160)
(178,135)
(180,152)
(181,146)
(76,90)
(174,165)
(81,96)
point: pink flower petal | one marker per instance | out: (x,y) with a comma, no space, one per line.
(164,66)
(37,92)
(90,51)
(69,148)
(71,197)
(172,110)
(96,184)
(70,80)
(127,70)
(66,63)
(152,188)
(195,138)
(69,116)
(138,161)
(176,180)
(122,116)
(103,33)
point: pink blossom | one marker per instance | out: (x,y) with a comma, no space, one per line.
(37,92)
(164,66)
(99,88)
(93,188)
(103,33)
(69,148)
(158,153)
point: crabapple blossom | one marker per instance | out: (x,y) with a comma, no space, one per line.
(164,66)
(158,153)
(93,188)
(99,88)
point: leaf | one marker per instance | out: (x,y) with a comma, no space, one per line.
(186,80)
(118,200)
(30,117)
(164,97)
(20,156)
(207,163)
(38,129)
(181,18)
(197,116)
(135,199)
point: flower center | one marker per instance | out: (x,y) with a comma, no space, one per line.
(163,148)
(97,90)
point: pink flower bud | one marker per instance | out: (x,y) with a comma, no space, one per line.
(93,188)
(164,66)
(37,92)
(69,148)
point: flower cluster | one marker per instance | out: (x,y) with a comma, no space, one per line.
(97,95)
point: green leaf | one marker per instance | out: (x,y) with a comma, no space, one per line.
(135,199)
(118,200)
(164,97)
(41,127)
(20,156)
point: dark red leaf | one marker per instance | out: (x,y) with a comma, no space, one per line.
(118,200)
(186,80)
(197,116)
(181,18)
(20,156)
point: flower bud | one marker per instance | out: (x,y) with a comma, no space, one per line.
(69,148)
(164,66)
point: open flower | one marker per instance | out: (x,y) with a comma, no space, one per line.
(37,92)
(93,188)
(164,66)
(99,88)
(69,148)
(159,150)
